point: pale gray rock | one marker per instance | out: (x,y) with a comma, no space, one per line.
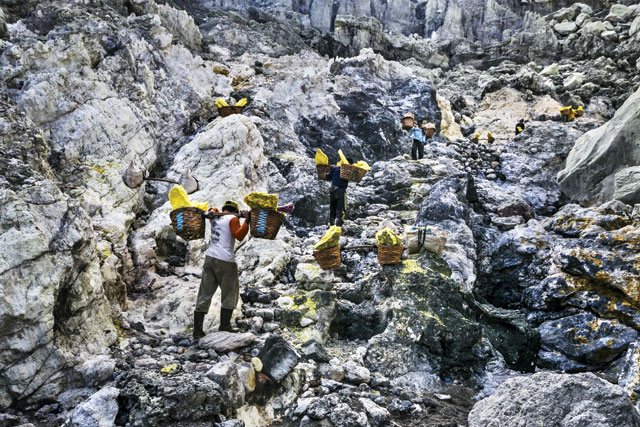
(619,13)
(565,27)
(558,399)
(600,155)
(581,19)
(629,377)
(595,28)
(355,373)
(53,309)
(226,375)
(181,25)
(99,410)
(574,81)
(224,342)
(635,26)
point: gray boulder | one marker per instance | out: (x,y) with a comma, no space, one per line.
(556,400)
(586,338)
(99,410)
(602,161)
(565,27)
(225,374)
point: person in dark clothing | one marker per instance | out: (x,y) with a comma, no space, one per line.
(337,196)
(520,126)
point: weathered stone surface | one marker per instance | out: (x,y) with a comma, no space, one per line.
(629,377)
(587,339)
(558,399)
(600,155)
(151,398)
(223,342)
(565,27)
(99,411)
(225,374)
(377,415)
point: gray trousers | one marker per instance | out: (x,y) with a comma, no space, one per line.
(217,273)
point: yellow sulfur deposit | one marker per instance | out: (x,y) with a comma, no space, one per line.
(362,164)
(331,239)
(387,237)
(343,159)
(321,158)
(221,103)
(242,102)
(180,199)
(262,201)
(169,368)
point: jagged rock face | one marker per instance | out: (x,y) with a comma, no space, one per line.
(448,20)
(88,81)
(54,310)
(107,110)
(574,277)
(603,164)
(558,399)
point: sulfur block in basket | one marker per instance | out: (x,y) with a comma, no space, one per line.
(331,239)
(179,198)
(257,200)
(387,237)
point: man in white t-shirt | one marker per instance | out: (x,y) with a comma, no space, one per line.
(220,268)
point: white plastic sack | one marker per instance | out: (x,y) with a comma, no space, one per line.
(425,238)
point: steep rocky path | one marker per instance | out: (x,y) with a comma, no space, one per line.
(99,291)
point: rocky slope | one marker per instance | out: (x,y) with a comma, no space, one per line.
(98,292)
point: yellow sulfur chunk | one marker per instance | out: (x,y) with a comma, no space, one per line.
(221,103)
(321,158)
(331,239)
(242,102)
(343,159)
(180,199)
(387,237)
(362,164)
(169,368)
(257,200)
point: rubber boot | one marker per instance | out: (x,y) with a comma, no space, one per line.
(225,320)
(198,320)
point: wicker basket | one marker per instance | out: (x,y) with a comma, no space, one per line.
(265,223)
(323,170)
(328,258)
(389,254)
(407,123)
(229,110)
(352,173)
(188,223)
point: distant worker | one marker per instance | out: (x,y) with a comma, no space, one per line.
(220,268)
(337,195)
(417,139)
(490,138)
(429,129)
(520,126)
